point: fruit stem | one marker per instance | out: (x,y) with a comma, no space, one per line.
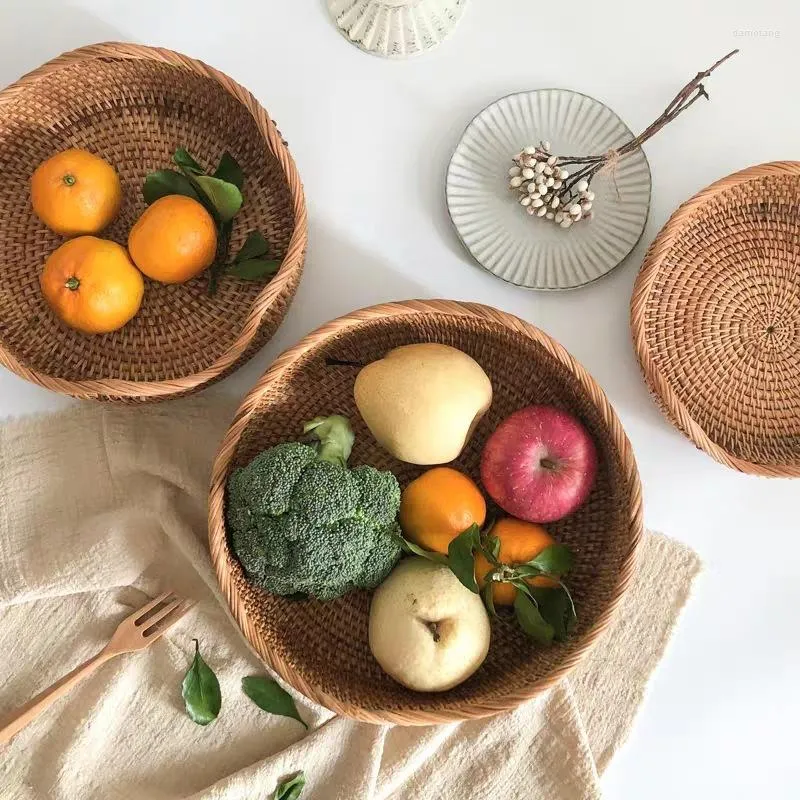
(433,627)
(546,463)
(72,283)
(69,180)
(339,362)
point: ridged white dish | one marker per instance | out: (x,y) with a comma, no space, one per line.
(529,251)
(396,28)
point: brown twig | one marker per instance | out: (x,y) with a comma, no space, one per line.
(690,93)
(567,194)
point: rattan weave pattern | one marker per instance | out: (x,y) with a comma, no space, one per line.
(715,319)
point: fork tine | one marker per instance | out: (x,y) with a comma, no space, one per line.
(161,612)
(166,620)
(139,613)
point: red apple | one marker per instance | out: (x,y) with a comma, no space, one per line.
(540,464)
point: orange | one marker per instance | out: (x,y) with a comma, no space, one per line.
(519,542)
(438,506)
(92,285)
(76,192)
(174,239)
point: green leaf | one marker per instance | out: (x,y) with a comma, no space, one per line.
(556,609)
(163,182)
(200,690)
(488,598)
(206,202)
(230,171)
(291,789)
(186,162)
(553,560)
(461,556)
(225,197)
(254,269)
(523,586)
(491,547)
(270,697)
(416,550)
(217,269)
(255,246)
(531,621)
(526,571)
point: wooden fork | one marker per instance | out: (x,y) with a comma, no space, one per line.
(137,632)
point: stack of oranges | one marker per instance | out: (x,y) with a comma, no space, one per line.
(95,285)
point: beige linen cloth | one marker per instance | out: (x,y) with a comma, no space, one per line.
(103,507)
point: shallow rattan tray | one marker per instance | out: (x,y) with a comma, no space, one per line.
(134,105)
(321,648)
(715,317)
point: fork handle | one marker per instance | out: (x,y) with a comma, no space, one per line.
(12,723)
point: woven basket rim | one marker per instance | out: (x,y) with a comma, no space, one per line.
(292,263)
(222,463)
(653,261)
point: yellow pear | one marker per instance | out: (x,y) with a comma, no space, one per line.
(423,401)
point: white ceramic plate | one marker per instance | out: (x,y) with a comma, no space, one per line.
(396,28)
(529,251)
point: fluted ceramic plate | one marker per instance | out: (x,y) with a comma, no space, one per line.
(525,250)
(396,28)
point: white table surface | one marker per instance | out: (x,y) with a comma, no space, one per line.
(372,139)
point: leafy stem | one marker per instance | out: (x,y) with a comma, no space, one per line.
(544,613)
(221,195)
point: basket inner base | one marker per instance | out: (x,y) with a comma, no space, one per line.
(722,319)
(327,643)
(133,113)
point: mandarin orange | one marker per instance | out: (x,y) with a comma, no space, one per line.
(438,506)
(92,285)
(174,240)
(76,192)
(519,542)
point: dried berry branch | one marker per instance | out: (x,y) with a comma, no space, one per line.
(554,192)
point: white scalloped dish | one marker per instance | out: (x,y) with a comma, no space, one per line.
(529,251)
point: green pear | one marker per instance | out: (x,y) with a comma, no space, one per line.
(422,401)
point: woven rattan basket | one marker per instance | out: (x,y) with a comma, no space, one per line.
(134,105)
(321,648)
(715,317)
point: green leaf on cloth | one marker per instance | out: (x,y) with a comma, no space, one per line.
(290,789)
(201,692)
(269,696)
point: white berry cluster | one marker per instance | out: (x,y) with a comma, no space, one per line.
(544,189)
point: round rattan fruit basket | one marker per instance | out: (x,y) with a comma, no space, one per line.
(134,105)
(321,648)
(715,318)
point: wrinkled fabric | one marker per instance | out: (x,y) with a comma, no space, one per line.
(104,507)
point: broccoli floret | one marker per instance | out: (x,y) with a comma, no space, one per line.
(325,493)
(379,492)
(301,521)
(265,485)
